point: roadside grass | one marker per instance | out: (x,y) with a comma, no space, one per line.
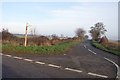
(60,48)
(109,49)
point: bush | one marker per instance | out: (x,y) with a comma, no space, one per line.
(39,41)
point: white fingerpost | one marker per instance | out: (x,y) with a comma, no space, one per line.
(26,34)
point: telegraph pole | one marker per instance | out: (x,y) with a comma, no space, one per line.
(26,34)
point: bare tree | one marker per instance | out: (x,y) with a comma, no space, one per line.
(33,31)
(97,31)
(62,36)
(80,32)
(86,37)
(54,36)
(5,30)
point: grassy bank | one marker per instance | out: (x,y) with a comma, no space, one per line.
(55,49)
(108,48)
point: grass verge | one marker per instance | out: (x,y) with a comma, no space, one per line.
(107,49)
(55,49)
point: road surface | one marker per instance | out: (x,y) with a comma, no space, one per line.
(83,61)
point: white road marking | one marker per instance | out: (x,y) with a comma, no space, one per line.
(73,70)
(8,55)
(39,62)
(54,65)
(17,57)
(28,60)
(111,61)
(70,69)
(64,54)
(85,46)
(94,74)
(89,50)
(92,51)
(118,68)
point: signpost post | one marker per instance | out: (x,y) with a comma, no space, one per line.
(26,34)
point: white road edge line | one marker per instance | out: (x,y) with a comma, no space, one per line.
(17,57)
(54,65)
(93,74)
(73,70)
(39,62)
(28,60)
(8,55)
(118,68)
(85,46)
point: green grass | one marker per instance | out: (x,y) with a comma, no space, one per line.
(108,49)
(55,49)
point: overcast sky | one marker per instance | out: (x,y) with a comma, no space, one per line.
(60,17)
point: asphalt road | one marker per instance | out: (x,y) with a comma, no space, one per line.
(83,61)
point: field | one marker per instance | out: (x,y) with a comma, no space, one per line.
(112,47)
(60,48)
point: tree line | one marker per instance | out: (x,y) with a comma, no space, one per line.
(97,32)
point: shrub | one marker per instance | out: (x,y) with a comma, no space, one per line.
(39,41)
